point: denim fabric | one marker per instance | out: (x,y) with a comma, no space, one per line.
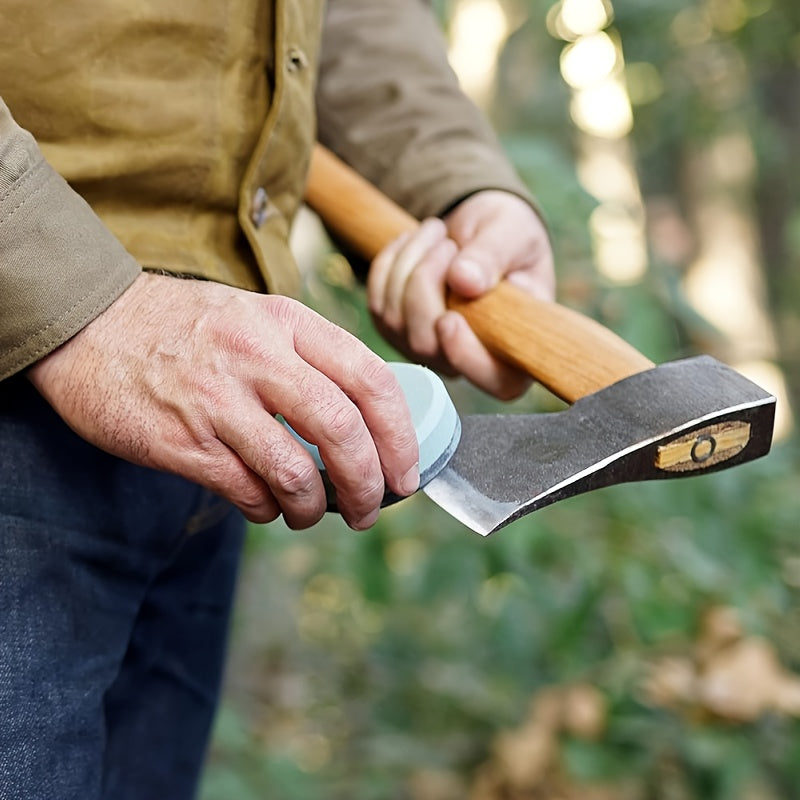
(116,583)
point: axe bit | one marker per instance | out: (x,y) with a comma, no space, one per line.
(629,419)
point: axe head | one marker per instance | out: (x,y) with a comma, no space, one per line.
(677,419)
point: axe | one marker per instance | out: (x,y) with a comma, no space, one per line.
(628,420)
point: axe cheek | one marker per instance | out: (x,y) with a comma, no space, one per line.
(677,419)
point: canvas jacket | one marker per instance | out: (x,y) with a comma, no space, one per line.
(176,135)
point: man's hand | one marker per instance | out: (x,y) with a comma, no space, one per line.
(490,236)
(185,376)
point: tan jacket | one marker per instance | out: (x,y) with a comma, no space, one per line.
(187,124)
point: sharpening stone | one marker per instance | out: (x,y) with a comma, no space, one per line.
(435,419)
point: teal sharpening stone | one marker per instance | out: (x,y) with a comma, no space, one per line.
(435,419)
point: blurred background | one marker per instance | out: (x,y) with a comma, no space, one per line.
(639,642)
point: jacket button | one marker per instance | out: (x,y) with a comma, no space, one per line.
(259,207)
(296,59)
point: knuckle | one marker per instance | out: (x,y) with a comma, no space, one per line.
(342,423)
(407,442)
(295,476)
(238,340)
(288,312)
(233,482)
(214,394)
(433,227)
(376,377)
(373,490)
(447,250)
(248,495)
(228,478)
(364,499)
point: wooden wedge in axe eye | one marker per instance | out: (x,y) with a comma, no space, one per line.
(629,419)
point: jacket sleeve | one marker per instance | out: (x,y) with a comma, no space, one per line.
(389,104)
(60,267)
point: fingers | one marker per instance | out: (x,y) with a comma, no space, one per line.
(490,236)
(363,429)
(410,309)
(340,396)
(226,474)
(346,445)
(395,265)
(470,358)
(285,476)
(477,267)
(500,236)
(256,463)
(424,303)
(251,459)
(379,272)
(406,292)
(384,409)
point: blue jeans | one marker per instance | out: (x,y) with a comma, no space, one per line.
(116,583)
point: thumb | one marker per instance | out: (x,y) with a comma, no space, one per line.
(475,269)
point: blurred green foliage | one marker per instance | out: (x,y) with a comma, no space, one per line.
(361,661)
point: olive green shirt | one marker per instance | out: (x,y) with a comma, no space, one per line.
(176,135)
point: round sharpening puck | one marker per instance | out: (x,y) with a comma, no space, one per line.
(435,421)
(434,415)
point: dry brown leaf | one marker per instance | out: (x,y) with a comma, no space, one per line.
(670,682)
(584,711)
(526,763)
(524,756)
(741,681)
(720,627)
(731,675)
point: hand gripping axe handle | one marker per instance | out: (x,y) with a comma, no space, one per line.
(629,419)
(569,353)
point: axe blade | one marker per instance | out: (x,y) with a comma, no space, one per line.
(678,419)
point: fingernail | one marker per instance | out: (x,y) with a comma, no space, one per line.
(471,272)
(366,522)
(410,482)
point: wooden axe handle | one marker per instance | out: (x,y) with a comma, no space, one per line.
(569,353)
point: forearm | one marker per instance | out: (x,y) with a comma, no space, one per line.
(60,267)
(390,105)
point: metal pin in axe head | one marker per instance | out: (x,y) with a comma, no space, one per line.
(629,419)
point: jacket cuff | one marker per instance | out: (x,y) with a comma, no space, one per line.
(60,267)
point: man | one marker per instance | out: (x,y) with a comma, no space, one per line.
(187,127)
